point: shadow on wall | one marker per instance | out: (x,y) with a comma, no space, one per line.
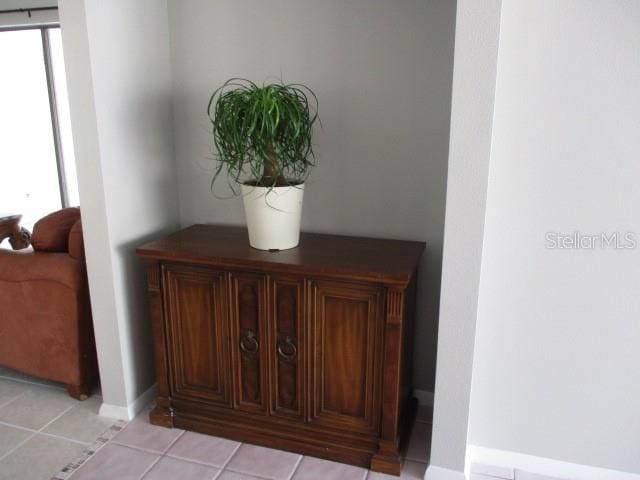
(137,318)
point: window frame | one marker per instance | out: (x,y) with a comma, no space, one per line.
(44,29)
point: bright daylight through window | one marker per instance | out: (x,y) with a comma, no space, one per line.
(37,165)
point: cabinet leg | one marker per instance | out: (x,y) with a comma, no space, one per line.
(79,392)
(161,416)
(389,459)
(389,463)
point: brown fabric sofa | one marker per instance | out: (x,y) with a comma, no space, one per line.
(46,328)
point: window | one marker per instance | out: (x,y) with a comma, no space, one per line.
(37,164)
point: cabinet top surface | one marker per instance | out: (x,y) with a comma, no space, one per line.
(228,246)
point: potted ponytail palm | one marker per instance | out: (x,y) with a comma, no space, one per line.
(262,141)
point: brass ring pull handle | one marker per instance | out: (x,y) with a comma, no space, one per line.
(249,344)
(287,349)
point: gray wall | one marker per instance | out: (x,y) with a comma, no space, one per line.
(557,357)
(382,71)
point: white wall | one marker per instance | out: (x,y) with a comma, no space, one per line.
(117,58)
(382,72)
(476,49)
(557,351)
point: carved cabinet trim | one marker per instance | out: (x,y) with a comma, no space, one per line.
(249,340)
(287,328)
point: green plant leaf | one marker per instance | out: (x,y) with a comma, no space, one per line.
(263,133)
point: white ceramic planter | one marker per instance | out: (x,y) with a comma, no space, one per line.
(273,216)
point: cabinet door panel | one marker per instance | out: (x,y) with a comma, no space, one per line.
(198,330)
(249,340)
(346,343)
(287,347)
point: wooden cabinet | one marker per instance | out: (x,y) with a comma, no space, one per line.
(197,334)
(288,336)
(307,349)
(346,337)
(249,341)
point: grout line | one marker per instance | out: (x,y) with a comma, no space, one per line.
(32,382)
(148,469)
(19,427)
(164,452)
(94,452)
(251,476)
(2,457)
(56,418)
(295,469)
(162,455)
(33,434)
(62,437)
(40,430)
(191,460)
(31,430)
(9,402)
(135,447)
(233,454)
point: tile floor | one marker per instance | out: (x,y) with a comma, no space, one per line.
(42,429)
(143,451)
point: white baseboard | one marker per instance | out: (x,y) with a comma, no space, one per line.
(542,466)
(130,411)
(424,397)
(439,473)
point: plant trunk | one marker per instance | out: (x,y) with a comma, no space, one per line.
(270,175)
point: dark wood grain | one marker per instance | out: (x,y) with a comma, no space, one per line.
(307,350)
(162,414)
(198,338)
(287,323)
(387,261)
(249,340)
(347,320)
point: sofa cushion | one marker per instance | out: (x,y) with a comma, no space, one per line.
(51,233)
